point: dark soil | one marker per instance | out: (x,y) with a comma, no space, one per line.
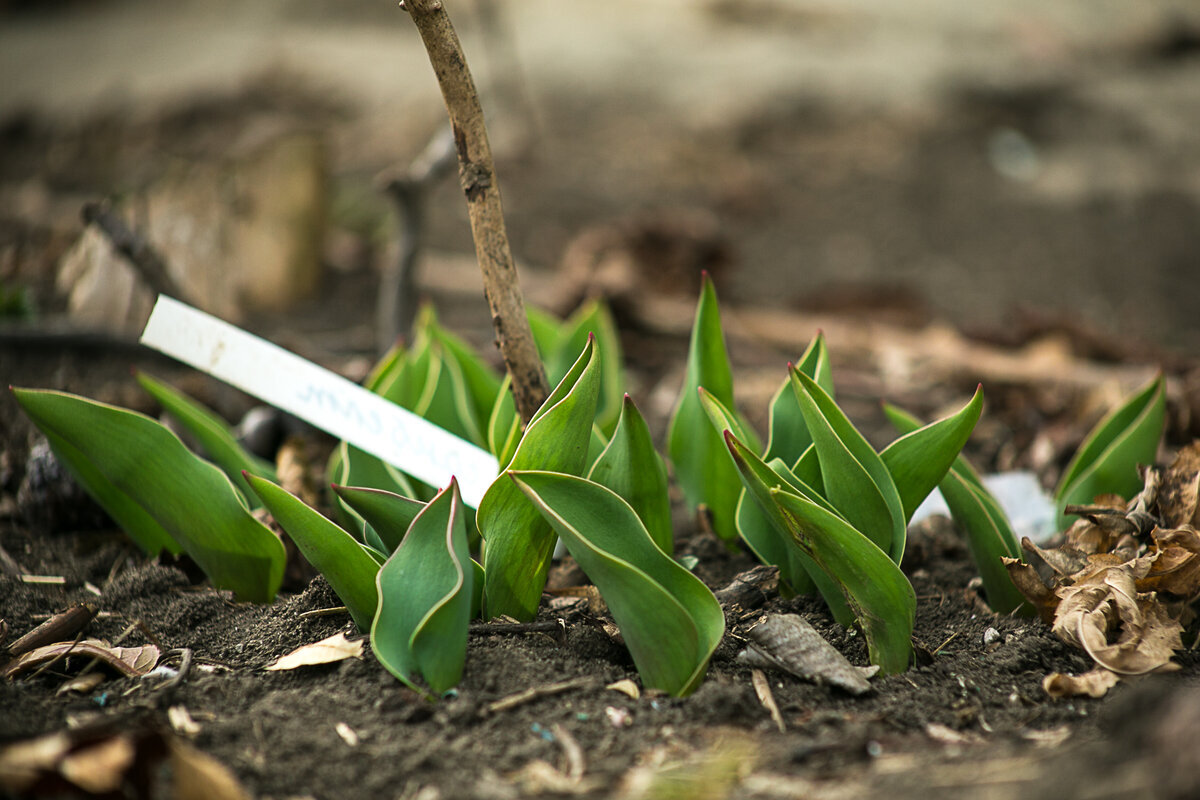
(963,704)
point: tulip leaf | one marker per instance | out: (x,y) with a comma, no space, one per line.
(425,592)
(669,619)
(979,515)
(856,480)
(593,317)
(919,460)
(1107,460)
(695,448)
(518,542)
(346,564)
(632,468)
(481,382)
(220,445)
(387,513)
(504,426)
(349,466)
(878,593)
(789,436)
(161,493)
(776,544)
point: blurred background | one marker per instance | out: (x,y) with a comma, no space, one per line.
(1013,168)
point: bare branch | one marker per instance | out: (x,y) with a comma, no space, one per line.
(478,178)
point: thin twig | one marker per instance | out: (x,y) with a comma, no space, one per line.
(140,254)
(478,177)
(325,612)
(396,306)
(533,693)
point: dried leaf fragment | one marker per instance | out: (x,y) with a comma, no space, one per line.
(199,776)
(626,687)
(327,651)
(787,642)
(1094,683)
(1177,494)
(100,768)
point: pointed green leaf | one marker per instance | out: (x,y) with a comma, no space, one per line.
(669,619)
(789,436)
(808,470)
(856,481)
(878,593)
(349,466)
(388,514)
(160,492)
(594,317)
(631,467)
(1107,461)
(920,459)
(776,545)
(976,511)
(425,592)
(482,383)
(695,448)
(220,445)
(546,335)
(518,542)
(344,562)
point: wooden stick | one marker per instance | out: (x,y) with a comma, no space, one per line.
(478,177)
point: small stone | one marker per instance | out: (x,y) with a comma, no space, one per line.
(991,638)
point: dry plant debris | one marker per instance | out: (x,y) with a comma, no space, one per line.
(786,642)
(1121,584)
(326,651)
(131,662)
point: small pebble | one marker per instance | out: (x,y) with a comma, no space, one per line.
(991,637)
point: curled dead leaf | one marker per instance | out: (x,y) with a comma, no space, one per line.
(1095,683)
(1036,591)
(1123,631)
(326,651)
(1175,564)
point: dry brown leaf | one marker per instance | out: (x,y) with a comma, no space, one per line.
(326,651)
(1175,566)
(1107,603)
(199,776)
(129,661)
(1030,584)
(788,643)
(101,767)
(82,683)
(1095,683)
(1177,495)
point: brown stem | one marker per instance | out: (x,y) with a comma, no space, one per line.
(478,177)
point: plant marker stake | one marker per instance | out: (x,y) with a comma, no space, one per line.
(320,397)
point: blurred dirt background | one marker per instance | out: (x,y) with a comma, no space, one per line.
(932,156)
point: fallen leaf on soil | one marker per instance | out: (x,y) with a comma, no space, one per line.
(22,763)
(626,687)
(1095,683)
(947,735)
(100,768)
(1177,495)
(1175,567)
(326,651)
(199,776)
(788,643)
(129,661)
(1108,603)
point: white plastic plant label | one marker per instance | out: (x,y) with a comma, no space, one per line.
(319,397)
